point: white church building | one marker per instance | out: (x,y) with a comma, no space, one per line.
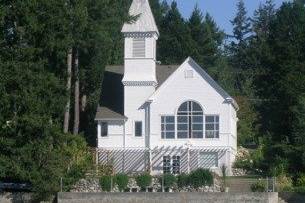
(162,118)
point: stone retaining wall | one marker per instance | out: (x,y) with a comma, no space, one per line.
(167,197)
(92,185)
(17,197)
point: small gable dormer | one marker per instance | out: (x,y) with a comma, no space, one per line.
(141,38)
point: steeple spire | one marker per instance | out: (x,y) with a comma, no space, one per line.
(145,21)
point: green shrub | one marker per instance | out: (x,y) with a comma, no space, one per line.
(246,164)
(299,189)
(182,180)
(259,186)
(122,181)
(144,180)
(201,177)
(105,170)
(301,181)
(105,182)
(169,180)
(284,183)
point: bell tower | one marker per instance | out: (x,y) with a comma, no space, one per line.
(140,45)
(139,78)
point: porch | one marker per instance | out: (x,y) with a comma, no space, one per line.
(165,159)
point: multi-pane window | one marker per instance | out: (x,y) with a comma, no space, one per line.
(176,165)
(138,128)
(138,50)
(212,126)
(190,120)
(168,127)
(208,160)
(104,129)
(171,164)
(166,164)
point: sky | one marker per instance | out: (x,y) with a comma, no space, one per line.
(222,10)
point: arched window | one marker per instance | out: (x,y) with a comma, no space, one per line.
(190,121)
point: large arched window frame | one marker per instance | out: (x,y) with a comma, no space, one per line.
(190,121)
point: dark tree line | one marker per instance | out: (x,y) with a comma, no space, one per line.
(52,58)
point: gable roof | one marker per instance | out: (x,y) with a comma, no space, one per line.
(145,21)
(112,97)
(205,76)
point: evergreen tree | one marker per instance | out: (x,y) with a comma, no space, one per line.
(207,39)
(282,88)
(32,62)
(238,48)
(175,43)
(241,25)
(241,61)
(102,44)
(262,19)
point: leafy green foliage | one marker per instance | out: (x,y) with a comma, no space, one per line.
(284,183)
(200,178)
(35,38)
(169,180)
(175,35)
(259,186)
(301,180)
(282,89)
(299,189)
(106,183)
(182,180)
(143,180)
(122,181)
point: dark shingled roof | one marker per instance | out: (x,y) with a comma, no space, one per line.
(112,99)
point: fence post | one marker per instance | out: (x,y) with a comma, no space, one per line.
(61,185)
(111,184)
(267,188)
(274,182)
(163,183)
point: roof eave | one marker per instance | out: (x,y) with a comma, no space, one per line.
(111,119)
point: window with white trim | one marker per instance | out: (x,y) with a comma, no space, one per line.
(138,48)
(208,160)
(190,121)
(168,127)
(212,126)
(104,129)
(171,165)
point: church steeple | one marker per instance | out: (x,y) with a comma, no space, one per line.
(140,46)
(145,22)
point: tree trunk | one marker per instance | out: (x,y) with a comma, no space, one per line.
(76,94)
(84,102)
(68,88)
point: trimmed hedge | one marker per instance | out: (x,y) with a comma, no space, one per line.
(144,180)
(200,178)
(183,180)
(105,183)
(122,181)
(169,180)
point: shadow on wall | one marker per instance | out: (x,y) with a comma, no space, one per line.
(138,160)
